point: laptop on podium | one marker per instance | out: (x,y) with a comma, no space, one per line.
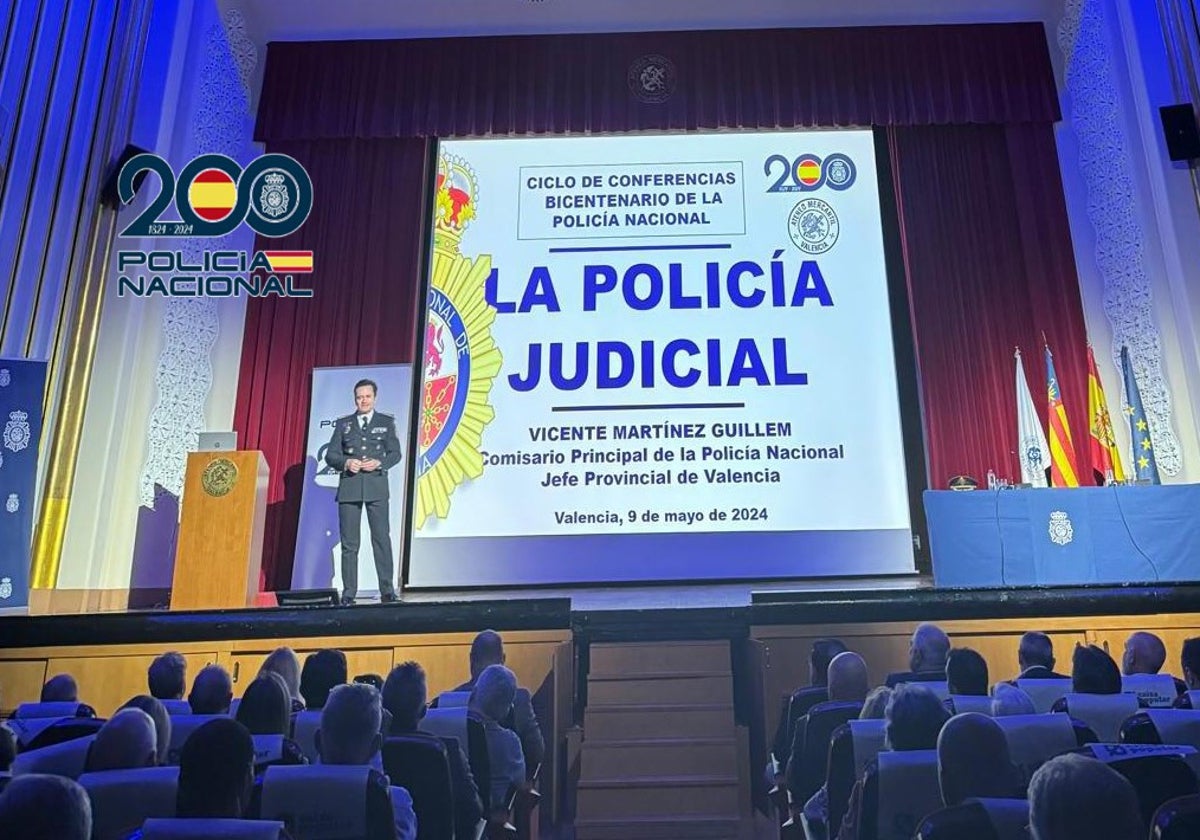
(217,442)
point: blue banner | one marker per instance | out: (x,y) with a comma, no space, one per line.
(22,386)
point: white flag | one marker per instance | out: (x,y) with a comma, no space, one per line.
(1032,448)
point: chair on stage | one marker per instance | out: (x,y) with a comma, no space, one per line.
(182,726)
(123,799)
(1045,693)
(1103,713)
(1178,819)
(328,802)
(1035,739)
(962,703)
(207,829)
(978,819)
(420,765)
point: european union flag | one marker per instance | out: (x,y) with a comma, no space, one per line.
(1144,466)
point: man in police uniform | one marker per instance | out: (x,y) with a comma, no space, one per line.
(363,448)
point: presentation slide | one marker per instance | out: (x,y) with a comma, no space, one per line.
(658,357)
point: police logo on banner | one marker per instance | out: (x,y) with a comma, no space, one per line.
(6,588)
(652,79)
(813,226)
(5,378)
(13,504)
(1062,532)
(16,431)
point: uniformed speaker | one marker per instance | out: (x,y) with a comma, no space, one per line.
(363,448)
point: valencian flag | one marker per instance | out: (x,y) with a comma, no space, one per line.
(1144,466)
(1062,451)
(1102,444)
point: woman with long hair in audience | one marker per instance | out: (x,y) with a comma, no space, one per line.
(265,710)
(284,662)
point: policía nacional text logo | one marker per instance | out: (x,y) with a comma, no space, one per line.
(813,226)
(213,196)
(460,358)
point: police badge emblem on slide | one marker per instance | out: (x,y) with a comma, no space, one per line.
(813,223)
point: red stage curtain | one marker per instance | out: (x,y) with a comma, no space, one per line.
(365,231)
(990,267)
(747,79)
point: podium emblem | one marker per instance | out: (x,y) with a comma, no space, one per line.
(1062,531)
(6,588)
(219,477)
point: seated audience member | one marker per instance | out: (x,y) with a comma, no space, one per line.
(1094,672)
(167,676)
(819,656)
(1007,699)
(38,807)
(966,673)
(927,654)
(915,717)
(847,683)
(875,706)
(1145,653)
(373,680)
(284,662)
(60,688)
(404,695)
(322,671)
(212,691)
(491,702)
(487,649)
(1073,797)
(1035,658)
(127,741)
(973,761)
(8,753)
(349,735)
(162,721)
(266,710)
(216,772)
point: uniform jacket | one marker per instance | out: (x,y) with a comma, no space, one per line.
(350,441)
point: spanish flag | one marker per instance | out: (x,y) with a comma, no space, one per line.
(290,262)
(1101,441)
(1062,451)
(212,195)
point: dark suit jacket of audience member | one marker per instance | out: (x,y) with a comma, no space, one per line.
(468,806)
(899,677)
(524,722)
(1039,672)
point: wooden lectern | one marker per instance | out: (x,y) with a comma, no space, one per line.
(219,553)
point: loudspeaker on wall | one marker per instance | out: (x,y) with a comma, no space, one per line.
(1181,131)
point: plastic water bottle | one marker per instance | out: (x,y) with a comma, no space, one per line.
(1109,479)
(991,479)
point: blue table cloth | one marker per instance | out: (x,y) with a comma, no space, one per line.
(1051,537)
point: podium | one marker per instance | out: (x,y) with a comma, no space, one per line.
(218,556)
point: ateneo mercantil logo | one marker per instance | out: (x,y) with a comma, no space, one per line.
(213,196)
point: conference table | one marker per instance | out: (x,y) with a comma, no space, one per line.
(1059,537)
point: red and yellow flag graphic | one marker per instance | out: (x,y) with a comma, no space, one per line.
(290,262)
(1062,451)
(212,195)
(1102,443)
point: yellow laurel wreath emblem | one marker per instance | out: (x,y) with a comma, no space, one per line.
(219,477)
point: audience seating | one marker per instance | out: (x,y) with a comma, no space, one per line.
(323,802)
(1035,739)
(1045,693)
(1157,779)
(1178,819)
(851,748)
(898,793)
(123,799)
(959,704)
(978,819)
(177,707)
(207,829)
(797,705)
(304,733)
(819,724)
(420,765)
(57,731)
(446,723)
(1189,700)
(181,727)
(939,687)
(452,699)
(1155,691)
(27,711)
(1162,726)
(1103,713)
(65,759)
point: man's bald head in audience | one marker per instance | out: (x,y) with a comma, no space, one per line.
(973,760)
(1145,653)
(487,648)
(126,742)
(60,689)
(847,678)
(36,807)
(929,648)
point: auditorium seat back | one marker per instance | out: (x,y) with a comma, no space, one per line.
(868,737)
(448,723)
(420,765)
(939,687)
(1045,693)
(208,829)
(851,747)
(65,759)
(35,733)
(176,707)
(797,706)
(1157,773)
(819,724)
(321,802)
(27,711)
(1192,700)
(304,733)
(1103,713)
(1155,691)
(123,799)
(182,726)
(975,704)
(978,819)
(1178,819)
(908,792)
(453,699)
(1176,726)
(268,750)
(1035,739)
